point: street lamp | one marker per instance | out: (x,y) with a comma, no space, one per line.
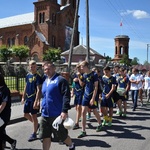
(148,45)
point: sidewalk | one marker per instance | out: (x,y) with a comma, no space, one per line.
(17,112)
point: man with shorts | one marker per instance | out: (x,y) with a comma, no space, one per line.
(123,86)
(107,102)
(55,102)
(31,97)
(90,96)
(77,91)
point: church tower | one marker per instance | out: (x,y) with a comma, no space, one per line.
(121,47)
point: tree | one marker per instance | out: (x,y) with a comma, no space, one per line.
(5,53)
(125,60)
(21,51)
(52,54)
(108,59)
(135,61)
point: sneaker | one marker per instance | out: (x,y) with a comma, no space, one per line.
(99,128)
(124,115)
(76,126)
(73,148)
(104,122)
(109,124)
(32,137)
(88,117)
(83,134)
(13,145)
(119,113)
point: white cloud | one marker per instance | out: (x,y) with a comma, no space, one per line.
(138,14)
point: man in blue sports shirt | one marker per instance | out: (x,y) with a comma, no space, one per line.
(107,102)
(90,96)
(31,97)
(78,91)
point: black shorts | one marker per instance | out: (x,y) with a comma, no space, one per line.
(115,96)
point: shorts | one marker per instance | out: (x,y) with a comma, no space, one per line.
(78,99)
(86,102)
(107,102)
(28,107)
(46,130)
(123,98)
(115,96)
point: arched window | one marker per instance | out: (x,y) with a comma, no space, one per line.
(13,41)
(26,39)
(41,17)
(9,42)
(121,50)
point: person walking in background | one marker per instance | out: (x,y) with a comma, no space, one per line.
(55,102)
(78,91)
(141,88)
(90,96)
(5,113)
(31,97)
(134,87)
(146,85)
(122,88)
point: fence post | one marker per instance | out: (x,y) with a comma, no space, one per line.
(17,82)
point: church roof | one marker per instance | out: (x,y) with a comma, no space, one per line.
(81,50)
(17,20)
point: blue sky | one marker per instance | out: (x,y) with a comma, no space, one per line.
(105,18)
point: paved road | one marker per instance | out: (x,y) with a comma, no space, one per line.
(131,133)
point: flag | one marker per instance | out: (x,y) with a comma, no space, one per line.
(121,23)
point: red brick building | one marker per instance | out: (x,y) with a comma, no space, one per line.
(50,25)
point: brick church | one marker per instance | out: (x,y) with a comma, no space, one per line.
(50,25)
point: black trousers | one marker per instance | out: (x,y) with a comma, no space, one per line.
(4,137)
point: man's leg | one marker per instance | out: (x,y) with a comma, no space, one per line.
(46,143)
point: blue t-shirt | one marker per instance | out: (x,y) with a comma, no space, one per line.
(89,80)
(108,82)
(123,81)
(78,88)
(32,81)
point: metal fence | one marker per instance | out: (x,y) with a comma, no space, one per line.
(15,83)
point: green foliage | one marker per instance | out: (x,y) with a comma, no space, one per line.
(135,61)
(5,53)
(21,51)
(52,55)
(108,59)
(125,60)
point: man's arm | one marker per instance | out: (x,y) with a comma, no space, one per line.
(94,93)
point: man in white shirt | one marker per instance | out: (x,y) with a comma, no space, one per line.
(135,80)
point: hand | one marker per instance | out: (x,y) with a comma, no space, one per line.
(64,115)
(36,105)
(91,102)
(22,100)
(107,96)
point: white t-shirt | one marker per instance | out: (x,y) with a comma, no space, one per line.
(141,81)
(147,83)
(134,77)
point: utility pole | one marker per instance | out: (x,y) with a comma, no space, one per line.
(148,45)
(72,37)
(87,32)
